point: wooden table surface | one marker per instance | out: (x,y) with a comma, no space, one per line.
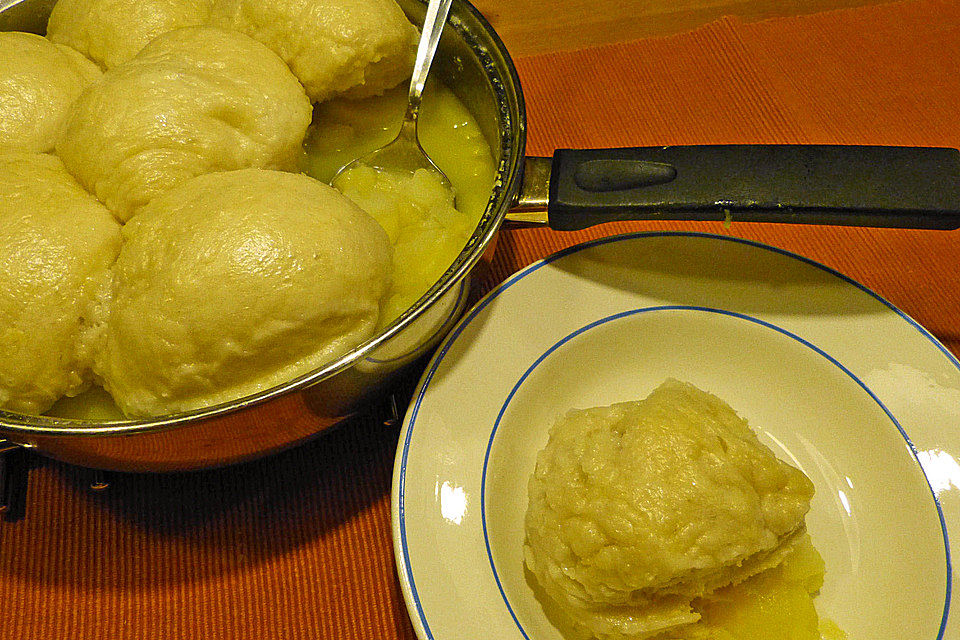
(541,26)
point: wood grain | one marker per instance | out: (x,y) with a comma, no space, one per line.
(542,26)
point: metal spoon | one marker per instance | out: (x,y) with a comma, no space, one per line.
(404,153)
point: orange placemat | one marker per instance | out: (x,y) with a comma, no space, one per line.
(298,545)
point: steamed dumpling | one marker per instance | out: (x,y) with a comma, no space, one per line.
(356,48)
(110,32)
(638,508)
(235,282)
(58,243)
(193,101)
(38,81)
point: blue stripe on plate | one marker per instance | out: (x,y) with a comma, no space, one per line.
(804,342)
(509,282)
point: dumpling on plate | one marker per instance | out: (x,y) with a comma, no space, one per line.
(355,48)
(235,282)
(639,508)
(193,101)
(58,243)
(38,82)
(110,32)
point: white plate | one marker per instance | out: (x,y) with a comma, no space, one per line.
(833,378)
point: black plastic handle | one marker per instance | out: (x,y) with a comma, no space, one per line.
(917,187)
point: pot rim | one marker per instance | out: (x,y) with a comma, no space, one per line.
(507,182)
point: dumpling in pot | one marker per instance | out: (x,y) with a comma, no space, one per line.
(58,243)
(193,101)
(38,81)
(110,32)
(356,48)
(235,282)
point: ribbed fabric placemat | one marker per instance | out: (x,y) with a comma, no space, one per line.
(874,75)
(298,545)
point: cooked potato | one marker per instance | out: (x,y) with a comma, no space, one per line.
(417,211)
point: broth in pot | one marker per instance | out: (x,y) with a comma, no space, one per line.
(477,136)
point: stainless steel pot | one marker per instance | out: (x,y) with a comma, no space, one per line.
(473,62)
(880,186)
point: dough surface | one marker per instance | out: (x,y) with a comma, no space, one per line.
(110,32)
(235,282)
(193,101)
(38,82)
(355,48)
(58,243)
(640,507)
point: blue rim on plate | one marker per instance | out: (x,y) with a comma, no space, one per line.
(407,569)
(769,325)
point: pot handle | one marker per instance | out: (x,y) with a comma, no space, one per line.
(916,187)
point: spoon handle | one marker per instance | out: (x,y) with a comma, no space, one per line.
(433,23)
(820,184)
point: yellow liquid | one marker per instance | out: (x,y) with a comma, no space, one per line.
(344,130)
(94,404)
(426,232)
